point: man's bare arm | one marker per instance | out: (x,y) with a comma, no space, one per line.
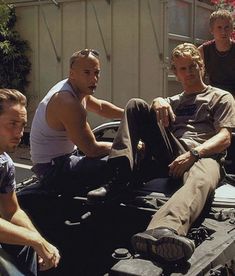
(11,211)
(16,228)
(104,108)
(11,233)
(216,144)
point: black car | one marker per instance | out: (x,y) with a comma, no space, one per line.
(95,240)
(213,233)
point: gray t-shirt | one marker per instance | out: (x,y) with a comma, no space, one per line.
(7,174)
(201,116)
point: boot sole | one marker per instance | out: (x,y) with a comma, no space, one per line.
(166,248)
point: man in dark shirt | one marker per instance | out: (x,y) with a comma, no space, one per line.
(219,53)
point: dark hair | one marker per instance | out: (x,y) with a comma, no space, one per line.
(223,14)
(11,96)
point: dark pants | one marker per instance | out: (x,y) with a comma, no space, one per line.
(139,123)
(17,260)
(183,208)
(71,174)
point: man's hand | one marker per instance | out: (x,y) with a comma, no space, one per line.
(164,112)
(17,228)
(48,255)
(181,164)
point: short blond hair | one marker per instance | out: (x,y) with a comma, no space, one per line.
(187,50)
(11,96)
(222,14)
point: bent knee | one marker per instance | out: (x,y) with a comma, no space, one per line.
(136,102)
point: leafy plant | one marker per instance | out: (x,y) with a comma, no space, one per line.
(14,65)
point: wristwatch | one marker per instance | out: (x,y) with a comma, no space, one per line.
(195,154)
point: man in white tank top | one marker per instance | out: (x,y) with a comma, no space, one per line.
(60,126)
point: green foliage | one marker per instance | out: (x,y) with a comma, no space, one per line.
(14,64)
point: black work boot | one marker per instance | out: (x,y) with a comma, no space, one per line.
(163,244)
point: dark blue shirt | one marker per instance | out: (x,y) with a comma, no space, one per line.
(7,174)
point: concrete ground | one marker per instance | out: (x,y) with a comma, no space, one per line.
(23,164)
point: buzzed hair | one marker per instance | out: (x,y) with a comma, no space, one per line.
(222,14)
(11,96)
(83,53)
(73,58)
(187,50)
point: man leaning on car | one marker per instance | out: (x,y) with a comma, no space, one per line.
(197,124)
(60,126)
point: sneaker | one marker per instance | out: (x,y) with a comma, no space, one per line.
(163,244)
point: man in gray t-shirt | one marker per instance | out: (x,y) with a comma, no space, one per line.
(187,134)
(206,113)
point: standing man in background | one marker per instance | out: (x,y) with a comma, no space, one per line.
(60,126)
(15,226)
(219,54)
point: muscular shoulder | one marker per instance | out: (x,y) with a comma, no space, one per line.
(64,108)
(64,101)
(63,97)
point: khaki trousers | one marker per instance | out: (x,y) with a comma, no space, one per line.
(184,207)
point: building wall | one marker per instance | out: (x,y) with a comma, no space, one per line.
(134,38)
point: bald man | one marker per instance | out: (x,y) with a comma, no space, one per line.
(60,126)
